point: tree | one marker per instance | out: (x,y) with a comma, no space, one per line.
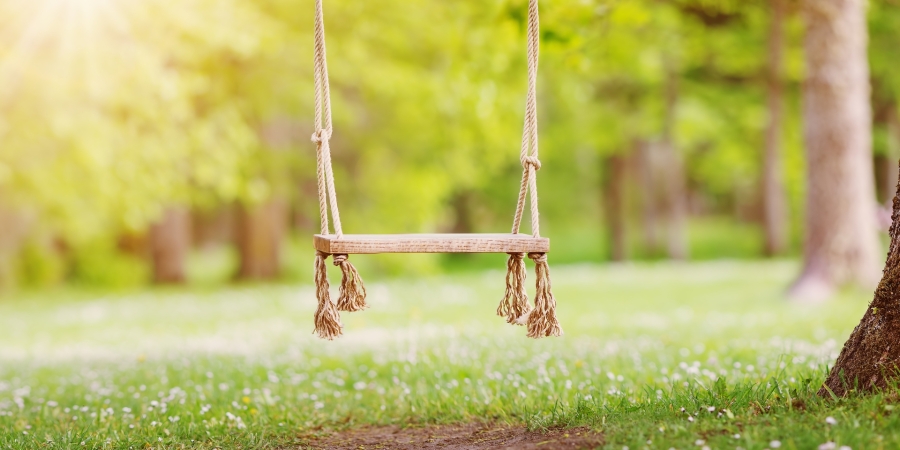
(871,357)
(614,202)
(774,204)
(675,189)
(259,236)
(841,242)
(169,242)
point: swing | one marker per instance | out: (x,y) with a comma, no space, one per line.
(540,320)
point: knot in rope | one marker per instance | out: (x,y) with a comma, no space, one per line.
(321,136)
(339,259)
(517,256)
(538,257)
(532,161)
(322,254)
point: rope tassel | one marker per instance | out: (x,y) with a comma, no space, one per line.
(515,302)
(328,319)
(353,293)
(542,320)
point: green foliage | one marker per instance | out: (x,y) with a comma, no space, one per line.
(111,113)
(38,265)
(102,265)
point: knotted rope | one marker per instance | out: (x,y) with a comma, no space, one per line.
(352,292)
(327,318)
(541,320)
(515,302)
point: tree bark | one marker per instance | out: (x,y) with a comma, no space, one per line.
(674,174)
(615,207)
(841,244)
(14,228)
(649,204)
(213,228)
(774,204)
(886,174)
(169,242)
(871,356)
(463,220)
(891,172)
(260,232)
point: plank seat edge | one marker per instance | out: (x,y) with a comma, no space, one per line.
(431,243)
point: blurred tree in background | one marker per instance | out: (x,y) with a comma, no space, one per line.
(149,141)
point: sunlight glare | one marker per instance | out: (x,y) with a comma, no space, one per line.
(64,39)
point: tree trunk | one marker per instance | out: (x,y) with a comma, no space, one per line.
(871,356)
(841,244)
(260,231)
(891,172)
(615,209)
(14,228)
(169,241)
(649,204)
(886,174)
(886,171)
(463,222)
(674,174)
(210,229)
(774,204)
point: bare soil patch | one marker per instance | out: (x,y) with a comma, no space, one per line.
(466,436)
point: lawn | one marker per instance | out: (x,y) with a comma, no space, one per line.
(653,356)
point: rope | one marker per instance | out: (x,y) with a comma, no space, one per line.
(322,136)
(530,162)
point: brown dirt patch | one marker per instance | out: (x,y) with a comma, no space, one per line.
(467,436)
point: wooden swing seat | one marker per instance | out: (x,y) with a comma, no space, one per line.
(430,243)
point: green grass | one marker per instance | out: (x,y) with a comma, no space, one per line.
(654,355)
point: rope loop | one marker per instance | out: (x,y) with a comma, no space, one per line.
(532,161)
(339,259)
(322,254)
(322,135)
(517,256)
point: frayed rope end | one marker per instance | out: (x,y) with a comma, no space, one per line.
(352,294)
(542,320)
(514,305)
(327,319)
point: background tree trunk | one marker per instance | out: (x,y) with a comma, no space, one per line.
(891,172)
(841,244)
(649,203)
(260,232)
(674,175)
(463,221)
(774,205)
(614,203)
(871,355)
(14,228)
(212,228)
(886,173)
(170,241)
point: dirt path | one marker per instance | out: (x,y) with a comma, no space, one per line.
(468,436)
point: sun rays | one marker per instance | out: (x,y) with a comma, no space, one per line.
(61,43)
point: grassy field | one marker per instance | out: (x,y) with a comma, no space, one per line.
(654,356)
